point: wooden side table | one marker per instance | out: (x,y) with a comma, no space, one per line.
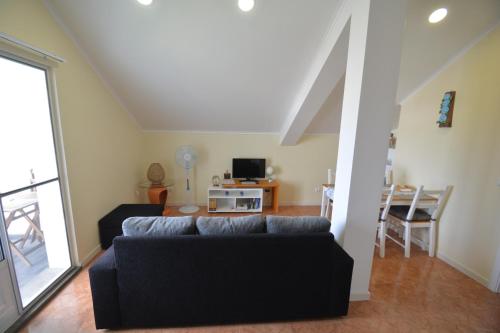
(157,194)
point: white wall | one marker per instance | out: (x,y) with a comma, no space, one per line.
(466,156)
(299,168)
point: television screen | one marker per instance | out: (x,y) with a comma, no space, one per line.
(249,168)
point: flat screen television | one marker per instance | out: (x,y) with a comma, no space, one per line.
(249,168)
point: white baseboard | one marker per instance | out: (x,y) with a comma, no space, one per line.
(301,203)
(357,296)
(460,267)
(455,264)
(88,258)
(494,284)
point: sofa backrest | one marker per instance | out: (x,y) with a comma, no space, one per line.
(195,279)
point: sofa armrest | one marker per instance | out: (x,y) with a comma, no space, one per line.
(104,287)
(343,265)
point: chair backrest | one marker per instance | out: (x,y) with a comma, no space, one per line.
(414,203)
(389,193)
(438,206)
(442,196)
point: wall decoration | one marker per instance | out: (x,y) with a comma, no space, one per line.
(446,109)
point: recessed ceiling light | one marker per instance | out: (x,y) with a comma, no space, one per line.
(145,2)
(246,5)
(438,15)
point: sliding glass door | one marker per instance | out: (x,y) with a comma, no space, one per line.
(8,308)
(34,226)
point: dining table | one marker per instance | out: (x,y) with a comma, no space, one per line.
(403,196)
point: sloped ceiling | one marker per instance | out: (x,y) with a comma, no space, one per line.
(200,65)
(207,66)
(427,47)
(327,120)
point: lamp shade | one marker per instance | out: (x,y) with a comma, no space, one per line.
(156,174)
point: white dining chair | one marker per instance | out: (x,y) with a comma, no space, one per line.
(327,202)
(388,193)
(418,216)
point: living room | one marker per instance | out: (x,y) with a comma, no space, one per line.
(293,83)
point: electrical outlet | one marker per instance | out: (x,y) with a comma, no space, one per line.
(137,193)
(316,189)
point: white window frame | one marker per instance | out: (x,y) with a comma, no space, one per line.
(14,50)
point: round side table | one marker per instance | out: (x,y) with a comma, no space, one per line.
(157,194)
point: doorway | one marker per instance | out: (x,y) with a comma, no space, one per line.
(35,247)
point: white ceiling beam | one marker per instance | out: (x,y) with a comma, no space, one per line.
(326,71)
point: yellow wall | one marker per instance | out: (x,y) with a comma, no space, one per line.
(102,143)
(107,153)
(466,156)
(299,168)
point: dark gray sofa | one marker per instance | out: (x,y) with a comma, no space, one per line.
(203,280)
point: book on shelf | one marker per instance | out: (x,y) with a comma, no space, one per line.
(212,204)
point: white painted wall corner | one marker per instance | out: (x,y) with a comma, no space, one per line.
(494,284)
(90,256)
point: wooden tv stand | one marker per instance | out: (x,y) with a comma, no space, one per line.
(274,186)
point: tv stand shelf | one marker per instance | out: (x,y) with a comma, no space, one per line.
(263,185)
(235,200)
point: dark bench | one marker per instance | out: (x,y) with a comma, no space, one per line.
(110,225)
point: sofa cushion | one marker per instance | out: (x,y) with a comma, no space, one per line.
(251,224)
(156,226)
(296,224)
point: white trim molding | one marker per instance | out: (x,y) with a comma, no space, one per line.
(357,296)
(90,256)
(494,283)
(463,269)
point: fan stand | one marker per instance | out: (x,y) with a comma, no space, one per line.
(189,208)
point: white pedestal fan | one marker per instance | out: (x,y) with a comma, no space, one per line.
(186,157)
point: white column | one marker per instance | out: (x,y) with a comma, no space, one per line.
(369,103)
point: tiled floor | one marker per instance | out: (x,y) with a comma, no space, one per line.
(419,294)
